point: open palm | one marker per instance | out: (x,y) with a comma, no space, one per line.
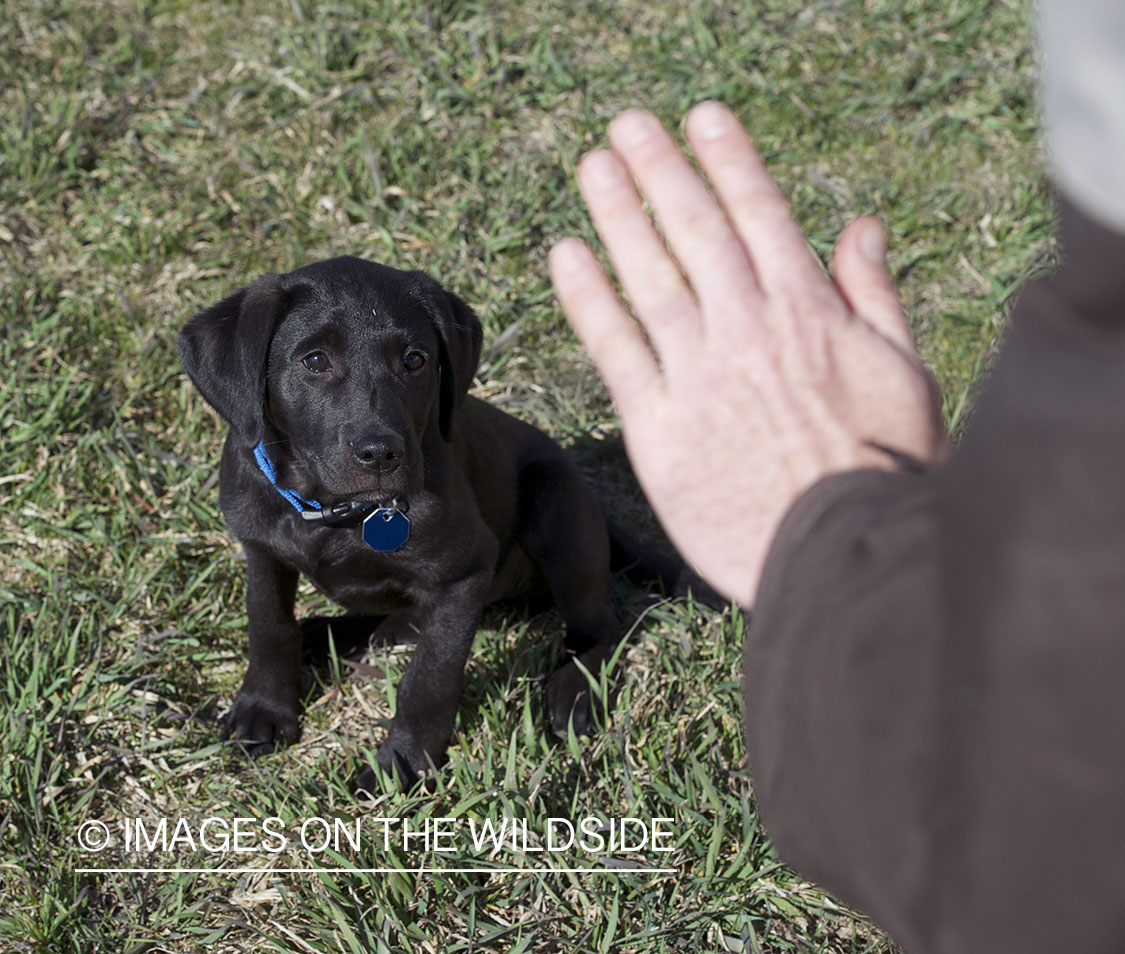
(749,373)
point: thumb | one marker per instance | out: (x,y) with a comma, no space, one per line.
(860,272)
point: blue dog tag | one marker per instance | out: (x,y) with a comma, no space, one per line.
(386,529)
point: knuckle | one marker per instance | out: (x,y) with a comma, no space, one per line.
(704,223)
(763,207)
(613,343)
(663,281)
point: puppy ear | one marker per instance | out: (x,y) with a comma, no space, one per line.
(224,351)
(460,332)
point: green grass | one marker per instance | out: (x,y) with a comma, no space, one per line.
(155,156)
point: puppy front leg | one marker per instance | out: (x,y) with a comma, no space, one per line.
(430,691)
(264,716)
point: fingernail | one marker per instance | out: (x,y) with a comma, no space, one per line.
(634,126)
(711,120)
(873,244)
(566,255)
(602,170)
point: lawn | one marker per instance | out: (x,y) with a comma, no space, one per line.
(155,157)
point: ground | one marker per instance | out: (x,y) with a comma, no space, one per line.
(155,156)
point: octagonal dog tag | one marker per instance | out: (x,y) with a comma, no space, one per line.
(386,529)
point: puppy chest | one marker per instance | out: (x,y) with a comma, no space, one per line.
(364,585)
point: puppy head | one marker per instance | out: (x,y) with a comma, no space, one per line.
(342,367)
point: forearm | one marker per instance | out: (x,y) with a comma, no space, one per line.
(840,702)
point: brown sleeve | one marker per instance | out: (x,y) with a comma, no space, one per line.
(935,668)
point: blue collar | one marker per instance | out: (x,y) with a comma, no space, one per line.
(385,529)
(300,504)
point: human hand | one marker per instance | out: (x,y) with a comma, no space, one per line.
(760,374)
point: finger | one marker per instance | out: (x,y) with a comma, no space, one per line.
(652,281)
(755,206)
(861,275)
(613,339)
(694,226)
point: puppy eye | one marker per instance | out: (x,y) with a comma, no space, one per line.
(317,362)
(414,360)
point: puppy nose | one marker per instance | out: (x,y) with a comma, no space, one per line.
(383,452)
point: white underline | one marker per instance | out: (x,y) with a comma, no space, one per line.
(375,870)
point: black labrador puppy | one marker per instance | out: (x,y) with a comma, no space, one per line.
(356,459)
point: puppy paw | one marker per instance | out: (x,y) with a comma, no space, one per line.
(261,724)
(400,759)
(569,700)
(369,783)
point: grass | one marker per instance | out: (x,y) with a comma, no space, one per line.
(156,155)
